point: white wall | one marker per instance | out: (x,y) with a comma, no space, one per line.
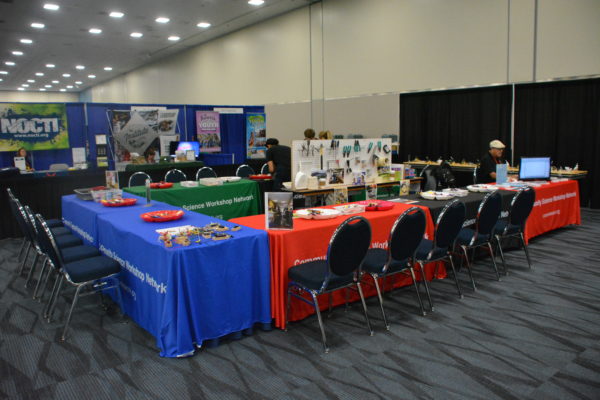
(38,97)
(339,49)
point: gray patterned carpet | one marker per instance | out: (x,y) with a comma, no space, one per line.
(533,335)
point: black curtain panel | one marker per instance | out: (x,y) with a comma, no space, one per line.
(561,120)
(454,123)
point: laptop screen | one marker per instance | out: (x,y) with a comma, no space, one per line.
(534,168)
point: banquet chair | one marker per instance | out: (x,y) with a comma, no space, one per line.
(138,179)
(405,236)
(264,170)
(81,273)
(58,167)
(483,234)
(244,171)
(206,172)
(174,176)
(514,226)
(475,175)
(340,270)
(447,226)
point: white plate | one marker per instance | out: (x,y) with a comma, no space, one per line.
(351,208)
(230,178)
(456,192)
(301,181)
(317,213)
(431,195)
(482,188)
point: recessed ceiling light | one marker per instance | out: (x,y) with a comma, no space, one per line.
(67,75)
(80,67)
(10,63)
(92,76)
(37,25)
(203,25)
(174,38)
(26,41)
(63,90)
(55,82)
(69,86)
(42,90)
(25,85)
(116,14)
(1,79)
(95,31)
(48,86)
(162,20)
(3,72)
(39,74)
(50,65)
(78,82)
(108,68)
(50,6)
(256,2)
(21,88)
(17,53)
(31,80)
(136,34)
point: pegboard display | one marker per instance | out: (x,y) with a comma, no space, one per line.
(344,161)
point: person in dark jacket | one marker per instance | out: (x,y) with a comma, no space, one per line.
(487,167)
(279,160)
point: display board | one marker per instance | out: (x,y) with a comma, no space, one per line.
(343,161)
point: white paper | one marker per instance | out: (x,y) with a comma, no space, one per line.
(20,163)
(100,139)
(78,155)
(190,155)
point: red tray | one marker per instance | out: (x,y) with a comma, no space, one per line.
(377,205)
(162,215)
(260,177)
(118,203)
(161,185)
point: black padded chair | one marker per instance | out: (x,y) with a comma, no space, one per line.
(174,176)
(138,179)
(244,171)
(475,172)
(448,224)
(514,226)
(483,234)
(81,273)
(340,270)
(206,172)
(405,236)
(430,181)
(264,170)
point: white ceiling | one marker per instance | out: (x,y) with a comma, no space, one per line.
(66,42)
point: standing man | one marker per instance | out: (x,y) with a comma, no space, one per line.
(486,173)
(279,159)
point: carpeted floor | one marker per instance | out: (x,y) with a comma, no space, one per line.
(534,335)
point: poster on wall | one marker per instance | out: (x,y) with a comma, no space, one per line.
(256,135)
(208,130)
(136,131)
(33,126)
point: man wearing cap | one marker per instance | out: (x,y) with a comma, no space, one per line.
(279,159)
(487,168)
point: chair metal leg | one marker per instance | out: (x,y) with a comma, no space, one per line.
(424,279)
(489,245)
(376,280)
(55,298)
(526,250)
(40,278)
(50,272)
(75,297)
(49,304)
(499,243)
(460,295)
(287,308)
(364,304)
(318,311)
(23,243)
(29,246)
(469,267)
(412,274)
(32,268)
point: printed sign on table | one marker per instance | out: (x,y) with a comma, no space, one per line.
(208,130)
(256,135)
(33,126)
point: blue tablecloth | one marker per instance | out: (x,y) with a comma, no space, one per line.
(185,295)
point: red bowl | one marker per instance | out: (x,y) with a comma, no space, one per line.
(161,185)
(118,202)
(377,205)
(162,215)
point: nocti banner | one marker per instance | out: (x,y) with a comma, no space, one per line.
(208,130)
(33,126)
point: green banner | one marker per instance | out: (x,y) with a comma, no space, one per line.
(33,126)
(230,200)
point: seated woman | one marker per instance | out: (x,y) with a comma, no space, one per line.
(150,155)
(23,153)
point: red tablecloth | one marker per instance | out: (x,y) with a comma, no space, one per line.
(308,241)
(556,205)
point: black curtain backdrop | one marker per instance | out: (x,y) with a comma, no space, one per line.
(562,120)
(454,123)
